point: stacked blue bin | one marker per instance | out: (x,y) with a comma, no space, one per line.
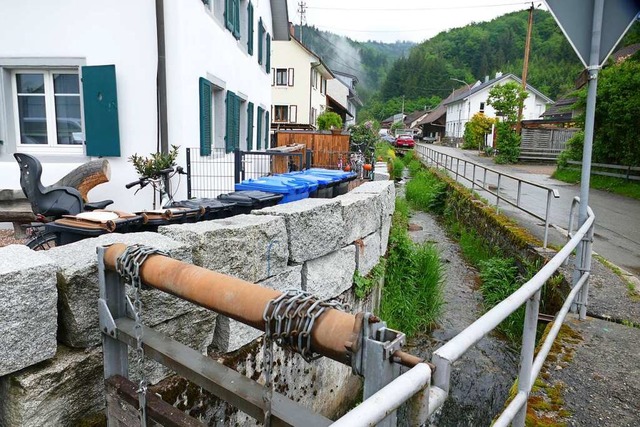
(343,178)
(290,188)
(324,184)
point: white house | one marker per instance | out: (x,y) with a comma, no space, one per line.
(338,99)
(461,108)
(299,85)
(353,100)
(81,80)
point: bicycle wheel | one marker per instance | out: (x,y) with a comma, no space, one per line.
(42,242)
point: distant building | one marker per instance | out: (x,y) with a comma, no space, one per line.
(353,100)
(461,108)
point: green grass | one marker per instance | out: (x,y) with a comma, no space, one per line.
(412,295)
(426,192)
(398,168)
(364,284)
(607,183)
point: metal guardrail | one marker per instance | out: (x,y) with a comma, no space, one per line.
(447,162)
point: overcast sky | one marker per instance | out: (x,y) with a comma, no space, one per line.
(388,21)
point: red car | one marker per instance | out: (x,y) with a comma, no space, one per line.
(405,141)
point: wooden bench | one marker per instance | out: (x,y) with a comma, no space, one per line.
(15,208)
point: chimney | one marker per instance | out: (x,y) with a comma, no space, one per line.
(498,74)
(486,79)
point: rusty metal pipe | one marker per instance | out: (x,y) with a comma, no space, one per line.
(235,298)
(409,360)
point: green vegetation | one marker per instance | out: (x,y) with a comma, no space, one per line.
(412,295)
(156,162)
(506,99)
(364,137)
(329,120)
(476,130)
(606,183)
(397,168)
(364,284)
(426,192)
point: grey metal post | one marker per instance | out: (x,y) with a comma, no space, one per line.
(473,179)
(457,167)
(526,354)
(546,220)
(112,304)
(588,131)
(519,191)
(484,180)
(498,193)
(584,293)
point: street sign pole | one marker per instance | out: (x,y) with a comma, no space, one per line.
(583,254)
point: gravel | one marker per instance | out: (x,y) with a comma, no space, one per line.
(7,238)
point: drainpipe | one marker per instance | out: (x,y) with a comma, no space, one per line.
(161,78)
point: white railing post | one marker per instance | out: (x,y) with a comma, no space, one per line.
(526,354)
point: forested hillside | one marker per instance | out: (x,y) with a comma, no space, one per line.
(472,52)
(369,61)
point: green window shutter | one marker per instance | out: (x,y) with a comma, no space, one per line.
(268,61)
(236,122)
(250,28)
(228,137)
(205,117)
(228,14)
(236,19)
(266,130)
(259,131)
(100,100)
(250,126)
(260,36)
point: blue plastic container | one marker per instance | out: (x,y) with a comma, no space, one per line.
(343,186)
(324,184)
(290,189)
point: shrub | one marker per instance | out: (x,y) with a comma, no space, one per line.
(151,166)
(426,192)
(475,131)
(508,143)
(573,150)
(329,120)
(398,168)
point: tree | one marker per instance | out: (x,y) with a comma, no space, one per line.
(475,131)
(505,99)
(329,120)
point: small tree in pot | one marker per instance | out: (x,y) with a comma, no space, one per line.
(329,120)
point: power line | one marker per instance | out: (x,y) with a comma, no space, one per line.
(395,9)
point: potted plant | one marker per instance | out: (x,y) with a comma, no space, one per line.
(156,162)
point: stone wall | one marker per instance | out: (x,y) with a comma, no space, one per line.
(50,352)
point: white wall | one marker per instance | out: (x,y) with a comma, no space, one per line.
(119,32)
(459,113)
(198,45)
(289,54)
(123,33)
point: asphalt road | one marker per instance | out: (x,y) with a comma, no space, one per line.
(617,232)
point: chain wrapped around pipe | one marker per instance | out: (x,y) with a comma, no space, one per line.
(128,266)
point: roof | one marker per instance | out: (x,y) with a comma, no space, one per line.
(441,109)
(562,107)
(493,82)
(414,116)
(351,76)
(280,20)
(319,64)
(625,52)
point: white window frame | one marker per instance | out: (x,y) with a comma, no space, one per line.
(284,108)
(52,147)
(285,72)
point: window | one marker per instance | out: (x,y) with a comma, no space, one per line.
(322,82)
(48,108)
(281,77)
(314,78)
(280,113)
(212,114)
(314,115)
(482,107)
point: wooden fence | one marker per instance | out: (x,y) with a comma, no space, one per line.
(629,172)
(326,146)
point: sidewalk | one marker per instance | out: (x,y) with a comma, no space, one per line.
(597,370)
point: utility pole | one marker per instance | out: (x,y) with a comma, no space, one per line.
(525,67)
(302,10)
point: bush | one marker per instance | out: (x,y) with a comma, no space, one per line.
(573,150)
(475,131)
(507,143)
(329,120)
(151,166)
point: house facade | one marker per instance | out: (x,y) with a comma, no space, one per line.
(338,100)
(353,100)
(299,85)
(133,77)
(461,108)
